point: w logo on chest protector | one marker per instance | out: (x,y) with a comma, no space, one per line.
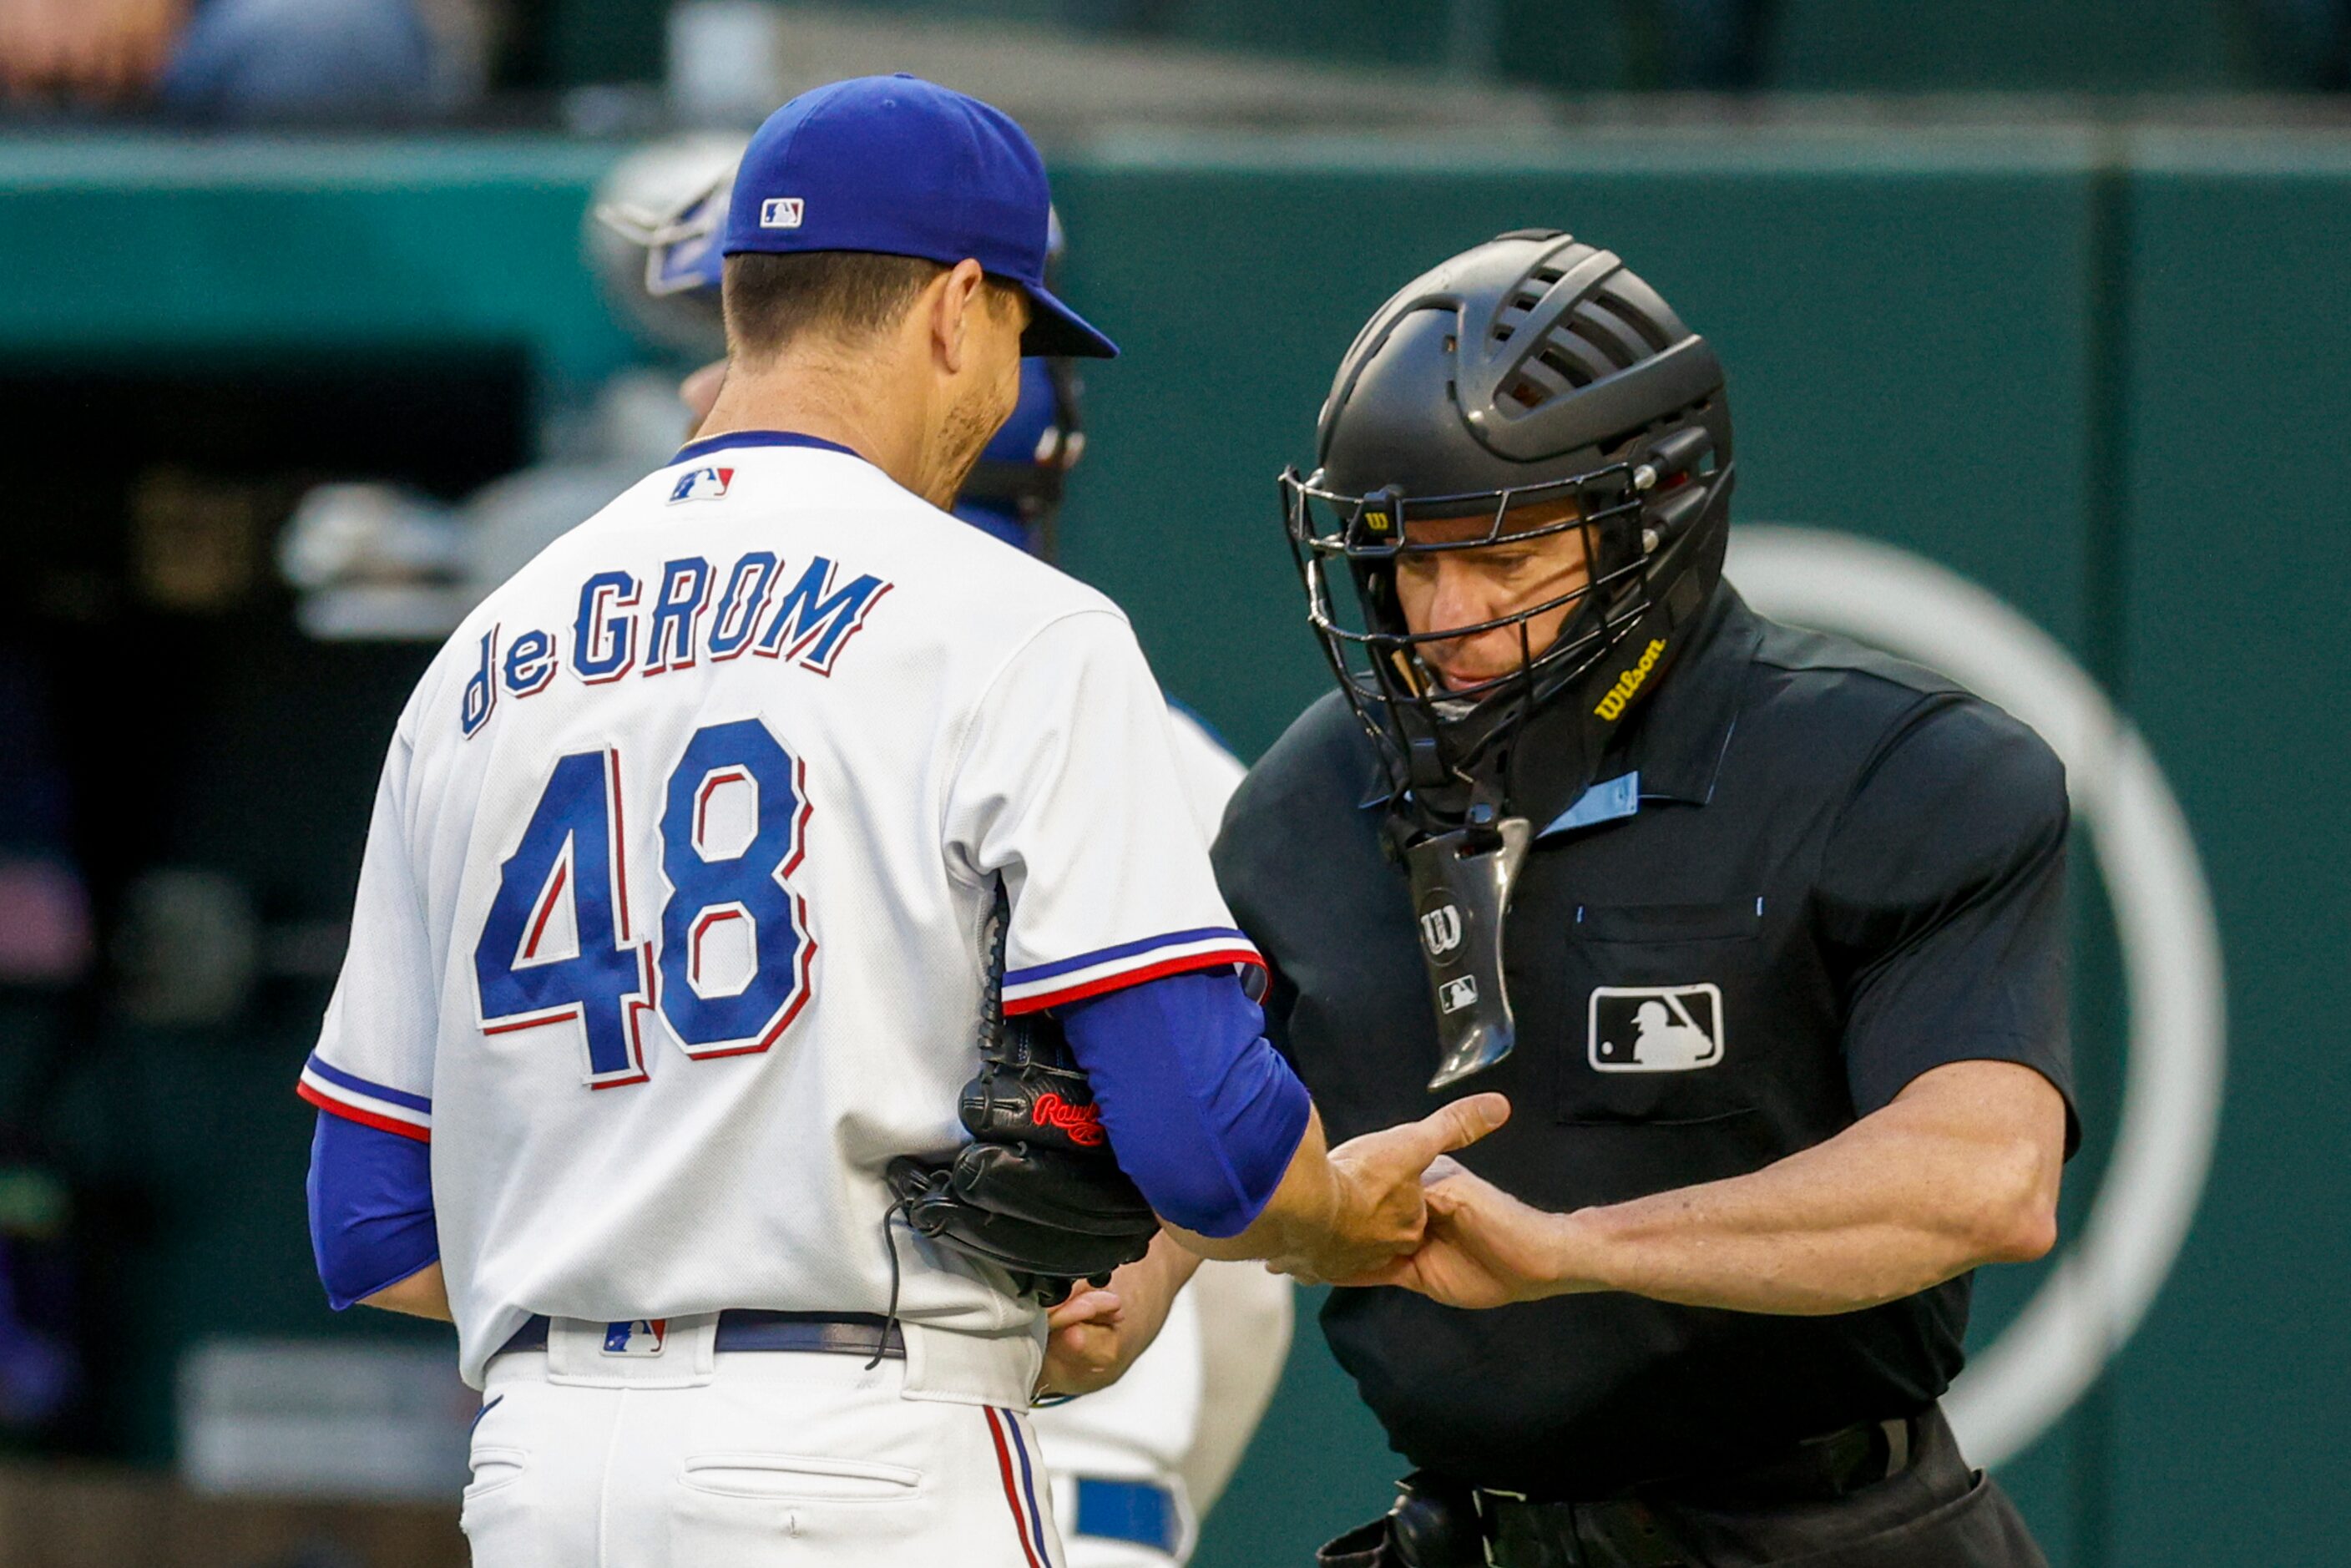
(1440,928)
(1655,1029)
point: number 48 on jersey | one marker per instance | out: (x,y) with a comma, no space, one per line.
(729,970)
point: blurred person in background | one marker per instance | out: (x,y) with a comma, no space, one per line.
(47,948)
(40,1309)
(46,940)
(242,62)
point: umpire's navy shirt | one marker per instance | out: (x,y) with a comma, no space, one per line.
(1809,873)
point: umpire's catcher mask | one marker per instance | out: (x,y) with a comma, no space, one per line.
(1529,371)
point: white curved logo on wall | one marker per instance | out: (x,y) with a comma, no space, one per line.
(2102,1284)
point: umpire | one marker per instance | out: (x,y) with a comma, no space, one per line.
(1762,932)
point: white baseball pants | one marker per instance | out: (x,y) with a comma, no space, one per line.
(775,1461)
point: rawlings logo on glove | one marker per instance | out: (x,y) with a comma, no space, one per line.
(1081,1123)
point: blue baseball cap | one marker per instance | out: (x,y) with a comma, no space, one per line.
(906,167)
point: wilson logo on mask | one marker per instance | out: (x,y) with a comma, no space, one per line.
(1612,706)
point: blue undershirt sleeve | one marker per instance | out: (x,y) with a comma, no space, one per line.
(371,1208)
(1201,1111)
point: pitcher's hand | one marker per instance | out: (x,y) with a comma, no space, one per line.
(1382,1210)
(1083,1350)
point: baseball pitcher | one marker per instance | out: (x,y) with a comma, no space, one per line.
(783,962)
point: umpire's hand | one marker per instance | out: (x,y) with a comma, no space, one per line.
(1482,1247)
(1381,1208)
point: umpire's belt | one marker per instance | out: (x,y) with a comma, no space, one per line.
(1143,1512)
(1634,1532)
(819,1334)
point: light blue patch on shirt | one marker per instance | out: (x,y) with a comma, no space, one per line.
(1604,803)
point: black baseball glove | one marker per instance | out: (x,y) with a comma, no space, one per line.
(1037,1191)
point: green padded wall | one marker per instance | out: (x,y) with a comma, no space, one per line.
(2231,1402)
(127,243)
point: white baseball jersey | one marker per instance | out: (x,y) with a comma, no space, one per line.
(668,933)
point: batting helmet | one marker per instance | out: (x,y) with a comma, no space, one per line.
(651,239)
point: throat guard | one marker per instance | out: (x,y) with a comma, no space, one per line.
(1462,884)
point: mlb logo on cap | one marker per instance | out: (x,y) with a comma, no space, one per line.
(899,166)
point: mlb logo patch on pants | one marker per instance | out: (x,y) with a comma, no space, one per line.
(638,1336)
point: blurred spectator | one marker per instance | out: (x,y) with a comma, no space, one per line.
(45,919)
(39,1373)
(242,62)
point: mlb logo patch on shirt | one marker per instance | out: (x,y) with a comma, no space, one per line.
(1655,1029)
(638,1336)
(702,485)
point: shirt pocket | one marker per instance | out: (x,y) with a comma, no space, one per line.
(1657,995)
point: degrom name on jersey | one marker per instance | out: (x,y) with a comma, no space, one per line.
(667,937)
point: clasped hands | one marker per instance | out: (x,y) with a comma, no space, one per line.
(1454,1237)
(1403,1212)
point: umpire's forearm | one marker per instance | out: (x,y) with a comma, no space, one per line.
(1959,1172)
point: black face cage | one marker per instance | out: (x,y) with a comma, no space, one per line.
(1436,741)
